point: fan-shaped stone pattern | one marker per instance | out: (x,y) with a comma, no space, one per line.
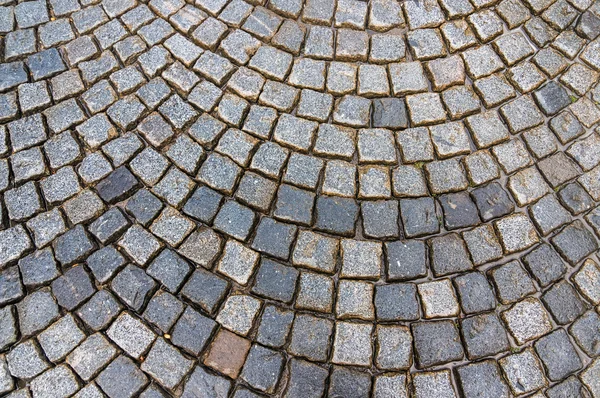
(293,198)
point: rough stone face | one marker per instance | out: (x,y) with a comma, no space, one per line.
(299,198)
(227,353)
(527,320)
(436,343)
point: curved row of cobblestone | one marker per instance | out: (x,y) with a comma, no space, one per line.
(288,198)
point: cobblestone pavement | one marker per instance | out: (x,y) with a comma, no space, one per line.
(240,198)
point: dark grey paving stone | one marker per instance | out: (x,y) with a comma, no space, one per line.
(492,201)
(38,268)
(571,387)
(558,355)
(8,326)
(235,220)
(275,281)
(389,113)
(100,310)
(203,204)
(192,331)
(262,369)
(144,206)
(275,325)
(109,226)
(482,379)
(122,378)
(166,365)
(73,288)
(205,289)
(564,303)
(36,311)
(201,381)
(551,98)
(396,302)
(475,293)
(575,242)
(419,217)
(45,64)
(575,198)
(163,310)
(105,262)
(169,269)
(118,185)
(345,382)
(73,246)
(459,210)
(336,215)
(436,343)
(274,238)
(406,260)
(448,255)
(306,379)
(294,205)
(256,191)
(311,337)
(133,286)
(11,288)
(545,264)
(585,332)
(512,282)
(484,335)
(566,126)
(12,74)
(380,219)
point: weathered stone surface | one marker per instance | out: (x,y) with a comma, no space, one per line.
(299,198)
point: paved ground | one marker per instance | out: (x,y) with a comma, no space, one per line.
(352,199)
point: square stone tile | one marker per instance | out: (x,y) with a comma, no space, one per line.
(438,299)
(311,337)
(205,289)
(351,344)
(566,246)
(275,281)
(394,347)
(361,259)
(166,365)
(419,217)
(315,292)
(527,320)
(475,293)
(558,355)
(131,335)
(512,282)
(449,255)
(122,377)
(238,313)
(262,368)
(355,300)
(436,343)
(482,378)
(275,325)
(387,298)
(436,384)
